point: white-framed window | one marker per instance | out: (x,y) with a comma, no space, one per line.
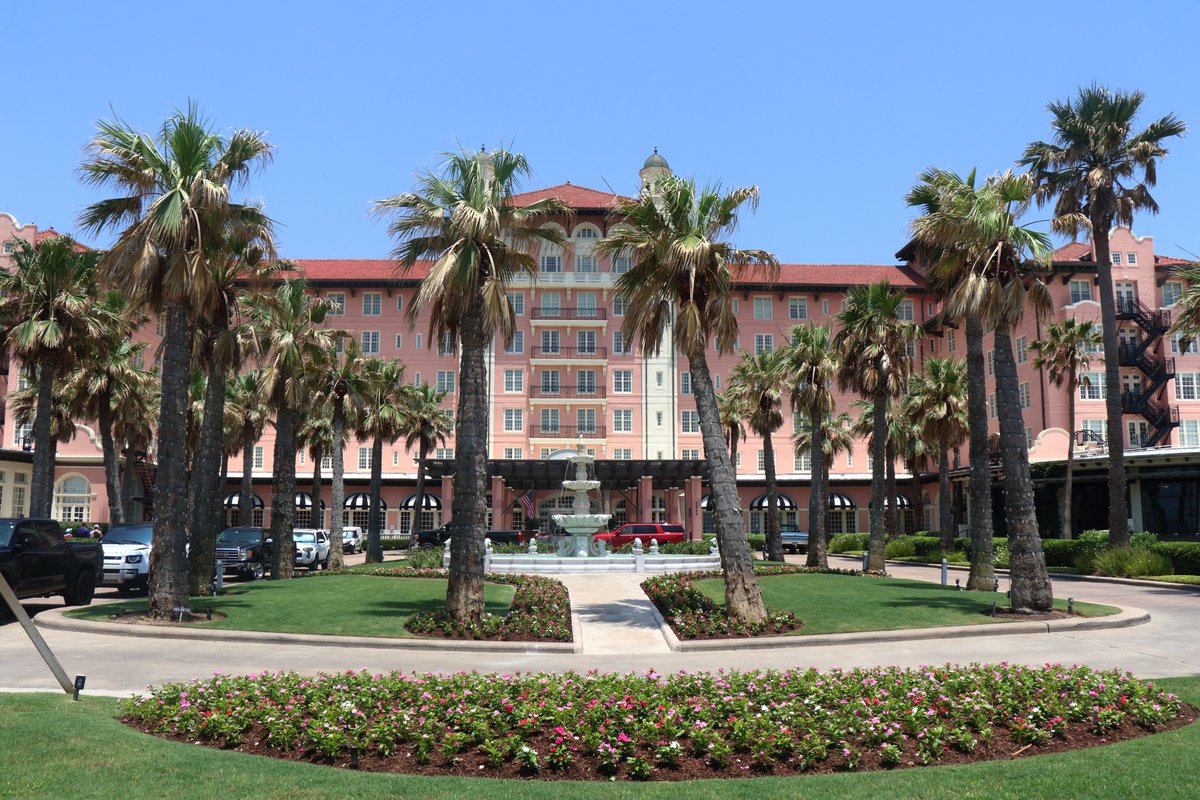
(370,342)
(372,304)
(905,311)
(514,380)
(717,381)
(517,301)
(690,422)
(446,345)
(1028,437)
(802,462)
(416,379)
(420,341)
(1189,433)
(1080,291)
(991,362)
(259,455)
(399,342)
(736,305)
(797,421)
(622,454)
(517,345)
(685,383)
(443,452)
(585,303)
(1098,427)
(300,457)
(1131,258)
(514,420)
(585,420)
(762,308)
(1185,345)
(364,459)
(549,420)
(1187,386)
(762,461)
(327,462)
(395,458)
(585,381)
(798,308)
(992,405)
(585,263)
(23,435)
(1022,349)
(623,420)
(1093,388)
(620,305)
(1116,258)
(620,346)
(1172,291)
(690,454)
(622,381)
(514,452)
(1023,390)
(658,418)
(399,302)
(763,343)
(551,304)
(551,381)
(546,451)
(586,232)
(551,263)
(585,343)
(445,381)
(951,340)
(73,499)
(622,264)
(337,303)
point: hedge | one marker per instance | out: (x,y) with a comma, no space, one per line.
(1185,556)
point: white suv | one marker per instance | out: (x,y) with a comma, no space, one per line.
(312,548)
(127,557)
(351,539)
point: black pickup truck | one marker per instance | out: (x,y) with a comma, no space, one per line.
(244,551)
(37,562)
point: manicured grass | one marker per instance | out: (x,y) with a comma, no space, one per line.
(1189,580)
(346,605)
(841,603)
(105,759)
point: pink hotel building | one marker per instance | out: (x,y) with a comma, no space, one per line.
(570,377)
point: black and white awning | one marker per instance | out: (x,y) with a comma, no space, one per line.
(431,501)
(234,500)
(362,502)
(784,502)
(706,502)
(304,501)
(840,501)
(902,501)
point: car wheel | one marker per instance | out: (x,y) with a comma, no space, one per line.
(81,593)
(256,572)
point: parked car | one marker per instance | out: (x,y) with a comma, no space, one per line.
(352,539)
(312,548)
(438,536)
(37,561)
(244,551)
(662,532)
(794,541)
(127,557)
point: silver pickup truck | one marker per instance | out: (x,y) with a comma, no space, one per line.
(794,541)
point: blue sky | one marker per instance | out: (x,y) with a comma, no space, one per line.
(830,110)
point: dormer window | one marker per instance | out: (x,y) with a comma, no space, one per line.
(1131,258)
(1116,258)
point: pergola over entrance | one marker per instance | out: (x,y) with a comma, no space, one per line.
(549,473)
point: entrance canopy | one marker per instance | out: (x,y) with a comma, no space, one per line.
(784,503)
(902,501)
(304,501)
(362,501)
(234,500)
(550,473)
(431,501)
(840,501)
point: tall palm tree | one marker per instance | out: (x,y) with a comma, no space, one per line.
(247,407)
(381,422)
(464,221)
(173,196)
(937,403)
(292,340)
(734,411)
(1066,354)
(823,441)
(995,281)
(682,275)
(135,419)
(761,379)
(1187,310)
(344,383)
(424,425)
(812,366)
(315,432)
(47,312)
(873,347)
(1092,170)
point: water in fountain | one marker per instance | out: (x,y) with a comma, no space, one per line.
(581,525)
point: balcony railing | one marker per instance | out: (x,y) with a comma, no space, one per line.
(568,352)
(566,431)
(568,392)
(570,314)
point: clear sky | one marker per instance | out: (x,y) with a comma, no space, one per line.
(831,109)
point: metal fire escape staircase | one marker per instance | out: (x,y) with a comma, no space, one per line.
(1156,370)
(149,475)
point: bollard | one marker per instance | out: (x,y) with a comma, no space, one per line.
(864,566)
(219,578)
(945,573)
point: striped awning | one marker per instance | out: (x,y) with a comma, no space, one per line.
(234,500)
(902,501)
(784,502)
(706,502)
(837,500)
(362,501)
(431,501)
(304,500)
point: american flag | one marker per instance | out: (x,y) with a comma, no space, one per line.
(526,501)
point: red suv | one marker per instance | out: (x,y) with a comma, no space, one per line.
(642,530)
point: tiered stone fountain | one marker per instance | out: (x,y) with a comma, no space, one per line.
(581,525)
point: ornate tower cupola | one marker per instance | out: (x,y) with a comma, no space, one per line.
(655,167)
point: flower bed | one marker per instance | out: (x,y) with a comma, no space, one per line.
(652,726)
(692,615)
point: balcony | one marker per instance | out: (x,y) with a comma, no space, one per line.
(568,353)
(592,394)
(555,315)
(566,432)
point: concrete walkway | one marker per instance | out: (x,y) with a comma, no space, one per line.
(615,615)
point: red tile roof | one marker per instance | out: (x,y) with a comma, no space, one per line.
(573,196)
(1074,251)
(1171,261)
(358,269)
(49,233)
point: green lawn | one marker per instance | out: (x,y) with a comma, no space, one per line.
(841,603)
(56,748)
(346,605)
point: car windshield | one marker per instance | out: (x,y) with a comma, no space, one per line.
(239,536)
(304,537)
(129,534)
(6,529)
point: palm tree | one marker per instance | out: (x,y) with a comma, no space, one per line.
(247,407)
(382,422)
(813,366)
(1092,167)
(463,220)
(424,425)
(682,274)
(832,436)
(734,411)
(760,379)
(937,404)
(315,432)
(995,280)
(1187,310)
(1065,354)
(47,312)
(873,347)
(289,332)
(173,198)
(344,383)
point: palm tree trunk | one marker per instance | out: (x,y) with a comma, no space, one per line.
(945,511)
(818,505)
(878,469)
(314,513)
(415,528)
(41,488)
(1118,523)
(743,599)
(893,505)
(168,554)
(1030,587)
(246,495)
(375,515)
(774,537)
(1067,523)
(112,466)
(206,475)
(983,572)
(337,485)
(464,592)
(918,497)
(283,493)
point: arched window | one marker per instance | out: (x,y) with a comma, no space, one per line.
(618,514)
(586,232)
(73,499)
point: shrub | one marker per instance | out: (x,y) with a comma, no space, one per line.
(1184,556)
(1060,552)
(425,558)
(902,547)
(1131,562)
(848,542)
(397,543)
